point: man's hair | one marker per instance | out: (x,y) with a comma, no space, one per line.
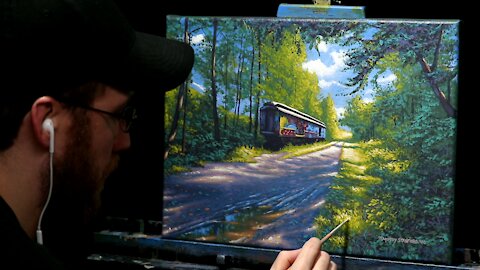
(14,109)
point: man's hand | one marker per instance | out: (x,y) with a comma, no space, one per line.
(310,256)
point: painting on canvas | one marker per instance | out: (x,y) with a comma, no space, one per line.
(287,127)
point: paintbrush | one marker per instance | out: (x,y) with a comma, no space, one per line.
(326,237)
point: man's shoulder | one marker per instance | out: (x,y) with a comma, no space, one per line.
(17,250)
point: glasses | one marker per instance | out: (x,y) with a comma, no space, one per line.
(126,116)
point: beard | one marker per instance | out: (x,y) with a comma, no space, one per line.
(76,196)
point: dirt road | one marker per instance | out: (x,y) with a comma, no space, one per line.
(271,203)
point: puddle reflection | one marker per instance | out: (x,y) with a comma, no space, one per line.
(238,226)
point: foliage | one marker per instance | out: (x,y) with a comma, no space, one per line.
(330,118)
(201,146)
(299,150)
(287,82)
(245,154)
(395,208)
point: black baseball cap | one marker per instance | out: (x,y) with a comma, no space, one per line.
(56,44)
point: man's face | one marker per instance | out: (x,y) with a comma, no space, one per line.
(90,154)
(78,177)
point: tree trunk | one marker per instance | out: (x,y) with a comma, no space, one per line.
(216,122)
(449,109)
(178,106)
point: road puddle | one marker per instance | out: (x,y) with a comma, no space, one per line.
(236,227)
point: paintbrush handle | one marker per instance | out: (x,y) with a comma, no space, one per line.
(326,237)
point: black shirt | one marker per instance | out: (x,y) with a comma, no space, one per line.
(17,250)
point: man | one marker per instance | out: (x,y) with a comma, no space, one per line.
(69,69)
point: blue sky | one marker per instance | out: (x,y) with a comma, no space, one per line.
(329,65)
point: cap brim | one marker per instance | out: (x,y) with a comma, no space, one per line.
(155,63)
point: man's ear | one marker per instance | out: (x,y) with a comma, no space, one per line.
(43,108)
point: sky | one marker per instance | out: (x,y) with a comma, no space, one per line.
(329,66)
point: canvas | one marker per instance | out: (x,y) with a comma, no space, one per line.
(289,126)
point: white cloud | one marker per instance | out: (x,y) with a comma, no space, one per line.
(325,84)
(368,100)
(198,39)
(322,46)
(323,70)
(387,79)
(339,58)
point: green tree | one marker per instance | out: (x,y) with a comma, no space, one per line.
(286,80)
(330,117)
(357,118)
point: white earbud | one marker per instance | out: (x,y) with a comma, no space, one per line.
(48,126)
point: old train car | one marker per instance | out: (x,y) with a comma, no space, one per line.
(281,124)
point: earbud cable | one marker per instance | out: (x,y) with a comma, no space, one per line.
(39,227)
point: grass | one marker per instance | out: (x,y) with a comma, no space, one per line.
(299,150)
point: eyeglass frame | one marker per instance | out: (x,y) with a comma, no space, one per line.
(122,116)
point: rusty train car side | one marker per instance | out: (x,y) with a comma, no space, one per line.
(281,124)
